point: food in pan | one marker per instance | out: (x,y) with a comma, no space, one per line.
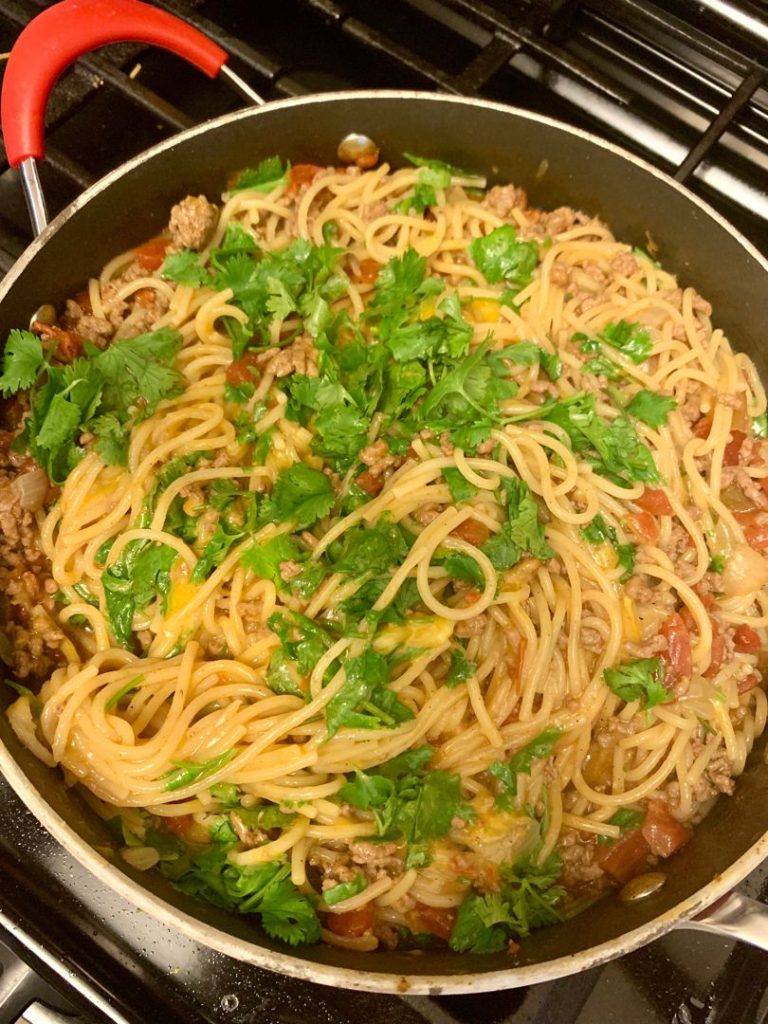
(390,554)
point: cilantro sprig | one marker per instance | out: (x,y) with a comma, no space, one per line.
(641,680)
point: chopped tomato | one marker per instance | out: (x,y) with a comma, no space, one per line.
(626,857)
(751,681)
(151,254)
(662,831)
(756,534)
(180,824)
(301,174)
(351,923)
(369,483)
(746,640)
(244,370)
(473,532)
(655,501)
(732,449)
(83,299)
(437,921)
(368,271)
(68,344)
(678,663)
(644,526)
(471,596)
(702,427)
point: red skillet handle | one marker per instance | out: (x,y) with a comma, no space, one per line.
(64,32)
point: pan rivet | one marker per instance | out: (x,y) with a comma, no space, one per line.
(642,887)
(359,150)
(229,1003)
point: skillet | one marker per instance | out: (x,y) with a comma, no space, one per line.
(558,165)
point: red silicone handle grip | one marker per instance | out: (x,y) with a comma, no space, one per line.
(64,32)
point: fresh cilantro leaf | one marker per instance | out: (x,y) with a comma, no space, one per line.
(339,435)
(599,532)
(363,674)
(36,705)
(264,559)
(185,267)
(23,362)
(111,439)
(302,644)
(301,495)
(551,364)
(130,687)
(630,339)
(139,371)
(186,773)
(524,353)
(461,489)
(265,177)
(717,563)
(641,680)
(760,426)
(445,338)
(521,763)
(522,532)
(482,924)
(461,566)
(602,366)
(499,256)
(442,170)
(369,550)
(651,408)
(627,820)
(461,668)
(366,791)
(141,574)
(344,890)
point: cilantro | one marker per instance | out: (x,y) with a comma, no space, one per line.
(760,426)
(529,898)
(264,889)
(599,532)
(111,439)
(612,448)
(461,489)
(461,566)
(23,361)
(643,255)
(364,701)
(370,550)
(442,171)
(461,668)
(140,574)
(651,408)
(436,337)
(641,680)
(186,773)
(302,644)
(627,820)
(266,177)
(339,435)
(36,705)
(630,339)
(240,514)
(130,687)
(185,268)
(717,563)
(264,558)
(344,890)
(499,256)
(301,495)
(522,532)
(601,366)
(551,364)
(521,763)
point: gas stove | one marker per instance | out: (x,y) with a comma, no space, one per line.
(681,83)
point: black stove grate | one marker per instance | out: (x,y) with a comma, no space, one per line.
(668,80)
(675,84)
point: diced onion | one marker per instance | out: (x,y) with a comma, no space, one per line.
(745,571)
(32,488)
(140,857)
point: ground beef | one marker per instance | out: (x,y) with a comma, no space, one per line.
(192,222)
(377,859)
(378,458)
(299,357)
(426,514)
(639,588)
(471,627)
(591,639)
(624,264)
(560,274)
(560,220)
(289,570)
(579,856)
(503,199)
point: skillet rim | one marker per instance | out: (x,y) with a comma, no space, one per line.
(247,951)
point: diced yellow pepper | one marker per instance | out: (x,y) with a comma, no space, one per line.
(629,620)
(180,595)
(605,556)
(427,310)
(486,311)
(426,633)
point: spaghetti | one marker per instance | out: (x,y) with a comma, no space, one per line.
(406,572)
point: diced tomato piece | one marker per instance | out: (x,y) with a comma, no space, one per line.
(151,254)
(145,296)
(437,921)
(655,501)
(471,596)
(368,271)
(678,662)
(352,923)
(473,532)
(244,370)
(626,857)
(662,831)
(756,534)
(732,449)
(751,681)
(644,526)
(369,483)
(301,174)
(180,824)
(746,640)
(68,344)
(702,427)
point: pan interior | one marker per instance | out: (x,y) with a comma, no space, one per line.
(558,167)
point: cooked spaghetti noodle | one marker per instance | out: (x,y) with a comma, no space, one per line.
(418,579)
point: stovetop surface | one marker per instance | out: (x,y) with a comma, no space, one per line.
(665,78)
